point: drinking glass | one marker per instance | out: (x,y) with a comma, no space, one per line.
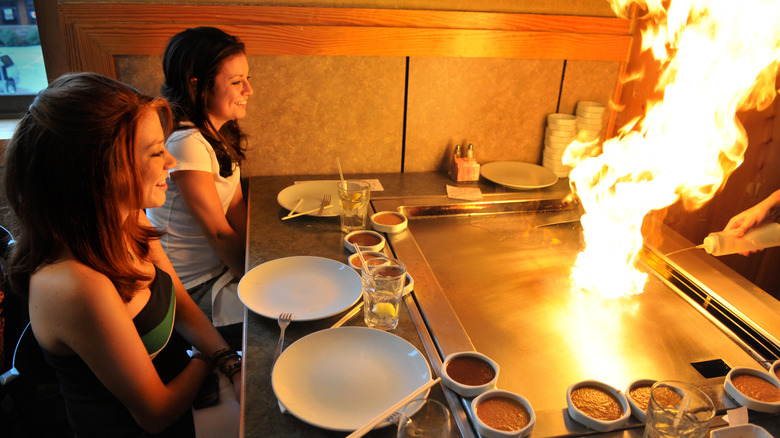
(354,196)
(426,418)
(678,409)
(383,284)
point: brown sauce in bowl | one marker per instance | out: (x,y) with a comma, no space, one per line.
(641,395)
(756,388)
(470,371)
(597,403)
(364,239)
(667,397)
(503,413)
(777,372)
(388,219)
(358,263)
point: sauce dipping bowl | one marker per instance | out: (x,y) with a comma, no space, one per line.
(774,370)
(600,425)
(354,259)
(389,222)
(745,400)
(455,377)
(488,431)
(638,409)
(367,239)
(408,284)
(741,431)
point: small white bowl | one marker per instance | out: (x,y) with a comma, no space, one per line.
(594,117)
(557,144)
(741,431)
(746,401)
(463,389)
(595,424)
(638,411)
(367,239)
(584,135)
(389,222)
(560,119)
(553,154)
(409,284)
(354,259)
(488,432)
(562,129)
(588,126)
(590,106)
(559,135)
(775,369)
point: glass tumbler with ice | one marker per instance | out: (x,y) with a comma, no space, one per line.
(383,283)
(353,197)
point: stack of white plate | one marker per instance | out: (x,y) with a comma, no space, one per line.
(590,121)
(561,131)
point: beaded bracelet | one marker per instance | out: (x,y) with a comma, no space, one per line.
(219,355)
(232,369)
(223,364)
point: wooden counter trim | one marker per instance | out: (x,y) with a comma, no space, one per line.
(375,41)
(95,33)
(258,15)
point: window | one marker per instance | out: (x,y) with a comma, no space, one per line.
(22,72)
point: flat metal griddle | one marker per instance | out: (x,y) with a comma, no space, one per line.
(506,279)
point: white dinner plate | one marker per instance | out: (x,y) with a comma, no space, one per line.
(308,287)
(518,175)
(311,192)
(342,378)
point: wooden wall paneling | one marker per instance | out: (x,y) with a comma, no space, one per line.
(112,39)
(95,33)
(267,15)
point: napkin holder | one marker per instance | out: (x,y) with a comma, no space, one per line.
(464,169)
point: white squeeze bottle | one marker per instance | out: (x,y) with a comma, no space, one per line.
(724,242)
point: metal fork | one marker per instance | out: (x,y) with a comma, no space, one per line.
(395,418)
(284,320)
(325,203)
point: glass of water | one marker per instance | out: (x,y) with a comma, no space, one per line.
(678,409)
(426,418)
(383,284)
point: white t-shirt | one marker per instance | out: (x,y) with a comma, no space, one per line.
(185,244)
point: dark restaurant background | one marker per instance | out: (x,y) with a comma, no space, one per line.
(392,86)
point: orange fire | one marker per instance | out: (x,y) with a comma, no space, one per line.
(717,57)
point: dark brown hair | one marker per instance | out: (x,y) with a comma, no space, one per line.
(69,168)
(198,53)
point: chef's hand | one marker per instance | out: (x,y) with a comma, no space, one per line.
(746,220)
(753,216)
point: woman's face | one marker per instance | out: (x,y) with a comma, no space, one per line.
(227,98)
(153,160)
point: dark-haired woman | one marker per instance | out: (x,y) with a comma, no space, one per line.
(105,304)
(204,215)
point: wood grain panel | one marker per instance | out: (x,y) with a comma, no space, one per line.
(95,33)
(370,41)
(259,15)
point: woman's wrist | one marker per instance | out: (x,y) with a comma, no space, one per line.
(228,361)
(197,355)
(231,369)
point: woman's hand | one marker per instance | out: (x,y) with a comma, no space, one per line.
(237,378)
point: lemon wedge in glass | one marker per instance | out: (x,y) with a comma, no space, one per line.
(385,310)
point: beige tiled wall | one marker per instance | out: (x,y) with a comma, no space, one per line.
(498,105)
(308,110)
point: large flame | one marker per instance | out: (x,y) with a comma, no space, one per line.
(717,57)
